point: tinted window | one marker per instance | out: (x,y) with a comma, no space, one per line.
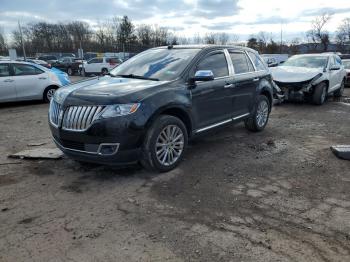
(161,63)
(113,60)
(259,64)
(216,63)
(25,70)
(308,61)
(241,63)
(95,61)
(4,70)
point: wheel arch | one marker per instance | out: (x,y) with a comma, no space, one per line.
(174,110)
(49,87)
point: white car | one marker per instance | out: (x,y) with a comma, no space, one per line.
(21,81)
(312,77)
(99,65)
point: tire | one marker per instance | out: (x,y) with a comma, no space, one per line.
(69,71)
(259,119)
(340,91)
(104,71)
(320,94)
(157,152)
(48,93)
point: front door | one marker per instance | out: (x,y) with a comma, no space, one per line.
(29,81)
(211,100)
(7,84)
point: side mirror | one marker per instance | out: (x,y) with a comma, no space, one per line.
(334,68)
(203,75)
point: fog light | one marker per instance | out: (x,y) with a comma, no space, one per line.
(108,149)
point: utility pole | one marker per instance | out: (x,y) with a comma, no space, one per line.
(22,42)
(281,38)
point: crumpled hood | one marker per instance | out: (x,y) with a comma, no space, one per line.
(105,90)
(292,74)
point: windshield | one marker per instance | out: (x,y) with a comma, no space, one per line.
(160,64)
(307,61)
(346,64)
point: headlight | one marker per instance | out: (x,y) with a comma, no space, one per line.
(120,110)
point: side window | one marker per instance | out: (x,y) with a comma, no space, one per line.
(215,62)
(96,60)
(259,64)
(338,61)
(25,70)
(241,63)
(4,70)
(331,61)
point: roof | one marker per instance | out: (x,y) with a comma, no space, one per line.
(206,47)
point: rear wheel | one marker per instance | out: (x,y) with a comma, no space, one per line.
(260,117)
(69,71)
(49,93)
(340,91)
(82,72)
(104,71)
(165,144)
(320,94)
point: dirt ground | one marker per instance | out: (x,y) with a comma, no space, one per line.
(279,195)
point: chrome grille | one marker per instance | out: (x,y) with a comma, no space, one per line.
(79,118)
(54,112)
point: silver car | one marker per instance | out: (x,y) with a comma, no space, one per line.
(21,81)
(311,77)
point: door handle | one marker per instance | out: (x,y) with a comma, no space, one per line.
(229,85)
(256,79)
(42,78)
(9,80)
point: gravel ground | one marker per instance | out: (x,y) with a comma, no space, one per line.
(278,195)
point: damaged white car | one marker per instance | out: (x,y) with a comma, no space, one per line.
(310,77)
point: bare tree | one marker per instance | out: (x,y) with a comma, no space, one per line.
(343,35)
(3,44)
(210,38)
(317,33)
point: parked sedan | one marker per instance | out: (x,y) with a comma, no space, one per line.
(311,77)
(99,65)
(21,81)
(151,105)
(346,63)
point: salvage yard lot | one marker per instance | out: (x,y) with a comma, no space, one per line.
(278,195)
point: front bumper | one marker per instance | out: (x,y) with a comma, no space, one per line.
(111,141)
(295,91)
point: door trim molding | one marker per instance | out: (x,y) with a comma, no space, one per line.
(221,123)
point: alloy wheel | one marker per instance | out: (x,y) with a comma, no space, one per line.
(262,113)
(50,93)
(169,145)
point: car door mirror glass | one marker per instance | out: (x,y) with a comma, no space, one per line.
(203,75)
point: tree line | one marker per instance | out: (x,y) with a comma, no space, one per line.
(121,34)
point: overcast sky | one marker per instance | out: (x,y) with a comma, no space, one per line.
(187,17)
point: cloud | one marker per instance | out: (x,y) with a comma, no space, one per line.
(211,9)
(328,10)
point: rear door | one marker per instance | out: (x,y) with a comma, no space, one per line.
(245,81)
(30,81)
(7,84)
(94,65)
(212,99)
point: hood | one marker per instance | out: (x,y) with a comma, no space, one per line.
(292,74)
(106,90)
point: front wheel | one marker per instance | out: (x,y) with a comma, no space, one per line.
(258,120)
(340,91)
(320,94)
(165,144)
(104,71)
(49,93)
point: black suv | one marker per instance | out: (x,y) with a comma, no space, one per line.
(148,108)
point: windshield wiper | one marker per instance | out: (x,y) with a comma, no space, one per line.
(138,77)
